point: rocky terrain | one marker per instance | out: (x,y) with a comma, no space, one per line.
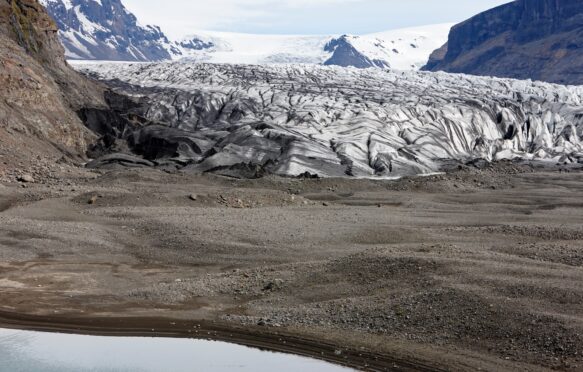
(40,94)
(297,120)
(525,39)
(180,225)
(475,269)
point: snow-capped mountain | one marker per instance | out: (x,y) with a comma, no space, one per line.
(402,49)
(106,30)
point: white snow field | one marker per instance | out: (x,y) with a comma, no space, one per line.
(332,121)
(402,49)
(406,48)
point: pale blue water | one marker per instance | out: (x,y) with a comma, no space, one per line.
(25,351)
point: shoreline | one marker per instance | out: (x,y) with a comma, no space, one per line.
(280,342)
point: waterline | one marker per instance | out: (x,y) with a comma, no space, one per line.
(24,351)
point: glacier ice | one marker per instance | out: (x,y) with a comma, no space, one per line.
(332,121)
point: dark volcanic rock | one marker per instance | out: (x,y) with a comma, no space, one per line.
(526,39)
(346,55)
(195,43)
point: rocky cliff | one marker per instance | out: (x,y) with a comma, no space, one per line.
(40,92)
(525,39)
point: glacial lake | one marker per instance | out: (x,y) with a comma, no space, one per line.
(26,351)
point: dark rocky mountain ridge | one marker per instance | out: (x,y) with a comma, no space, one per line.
(525,39)
(106,30)
(344,54)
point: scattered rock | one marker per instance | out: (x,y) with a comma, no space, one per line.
(308,175)
(193,197)
(92,200)
(274,285)
(26,178)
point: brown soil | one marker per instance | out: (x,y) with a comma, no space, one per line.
(465,271)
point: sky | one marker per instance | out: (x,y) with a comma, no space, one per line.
(181,17)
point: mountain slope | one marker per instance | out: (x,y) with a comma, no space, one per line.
(525,39)
(39,91)
(106,30)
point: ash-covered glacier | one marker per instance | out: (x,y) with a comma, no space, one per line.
(330,121)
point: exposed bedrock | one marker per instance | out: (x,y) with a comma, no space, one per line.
(329,121)
(523,39)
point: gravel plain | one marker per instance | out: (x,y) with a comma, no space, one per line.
(479,268)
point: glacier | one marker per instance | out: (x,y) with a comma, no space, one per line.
(106,30)
(404,49)
(330,121)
